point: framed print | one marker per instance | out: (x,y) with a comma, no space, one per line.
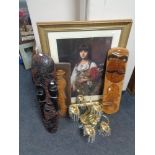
(84,45)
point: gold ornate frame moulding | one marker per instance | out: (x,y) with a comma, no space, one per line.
(45,27)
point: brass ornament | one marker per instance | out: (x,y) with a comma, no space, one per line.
(89,131)
(80,99)
(96,109)
(105,129)
(74,112)
(91,120)
(84,118)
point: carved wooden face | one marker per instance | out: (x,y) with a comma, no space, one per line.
(43,74)
(116,68)
(47,91)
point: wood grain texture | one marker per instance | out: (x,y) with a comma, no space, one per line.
(64,89)
(114,77)
(61,85)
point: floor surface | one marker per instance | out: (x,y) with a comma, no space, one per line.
(35,140)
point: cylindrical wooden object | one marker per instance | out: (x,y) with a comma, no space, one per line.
(61,85)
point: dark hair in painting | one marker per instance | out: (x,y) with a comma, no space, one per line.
(84,47)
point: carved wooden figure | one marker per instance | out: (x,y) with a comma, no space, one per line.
(43,75)
(114,77)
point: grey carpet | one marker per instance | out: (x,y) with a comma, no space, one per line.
(35,140)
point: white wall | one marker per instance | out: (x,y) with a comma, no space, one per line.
(116,9)
(68,10)
(51,10)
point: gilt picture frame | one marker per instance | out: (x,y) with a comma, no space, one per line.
(62,41)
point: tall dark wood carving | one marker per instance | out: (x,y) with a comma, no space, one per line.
(114,77)
(43,75)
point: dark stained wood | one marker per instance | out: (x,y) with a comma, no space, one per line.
(43,75)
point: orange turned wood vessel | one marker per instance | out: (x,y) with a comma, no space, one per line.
(114,77)
(61,84)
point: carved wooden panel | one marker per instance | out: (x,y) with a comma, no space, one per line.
(114,77)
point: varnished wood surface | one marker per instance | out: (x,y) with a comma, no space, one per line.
(112,87)
(64,100)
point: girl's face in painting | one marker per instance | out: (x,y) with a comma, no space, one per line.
(83,54)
